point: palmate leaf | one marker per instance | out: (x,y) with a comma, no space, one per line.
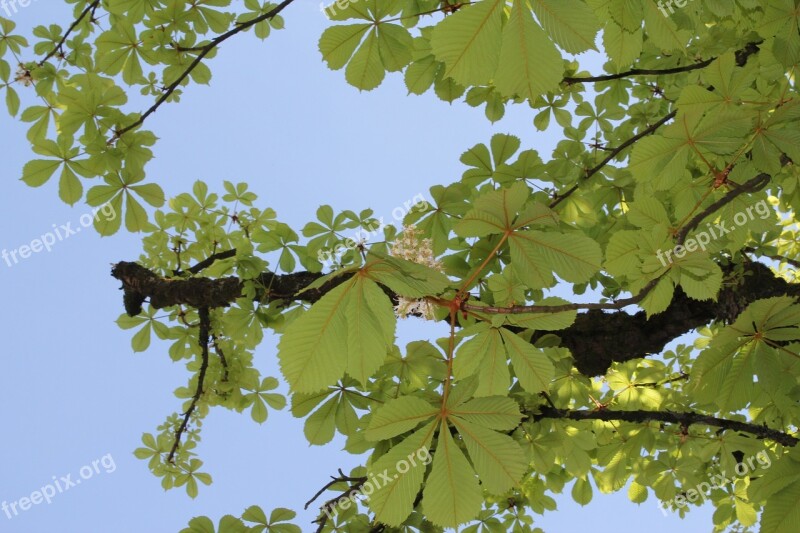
(118,186)
(723,374)
(438,221)
(387,47)
(499,211)
(37,172)
(119,50)
(494,212)
(452,494)
(350,329)
(421,364)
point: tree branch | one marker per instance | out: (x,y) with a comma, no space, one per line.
(204,51)
(351,492)
(639,72)
(684,419)
(751,185)
(90,8)
(205,328)
(741,59)
(780,258)
(612,154)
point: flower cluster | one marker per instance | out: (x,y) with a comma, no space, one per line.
(23,76)
(410,247)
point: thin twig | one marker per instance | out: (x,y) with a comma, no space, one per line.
(612,154)
(640,72)
(89,8)
(205,328)
(203,53)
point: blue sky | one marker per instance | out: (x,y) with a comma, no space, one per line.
(73,390)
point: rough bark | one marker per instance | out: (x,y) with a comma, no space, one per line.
(596,339)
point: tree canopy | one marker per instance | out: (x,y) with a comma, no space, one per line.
(557,281)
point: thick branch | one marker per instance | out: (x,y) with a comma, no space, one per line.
(140,284)
(684,419)
(596,339)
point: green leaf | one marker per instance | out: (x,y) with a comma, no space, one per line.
(365,70)
(321,426)
(35,173)
(782,510)
(468,42)
(497,458)
(338,43)
(392,501)
(570,23)
(535,255)
(529,63)
(582,491)
(398,416)
(452,495)
(405,277)
(532,367)
(370,328)
(350,329)
(493,412)
(313,350)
